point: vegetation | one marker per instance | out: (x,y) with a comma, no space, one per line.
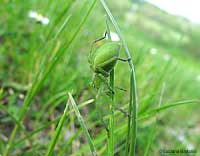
(47,103)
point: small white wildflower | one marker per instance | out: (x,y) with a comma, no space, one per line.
(166,57)
(45,21)
(198,77)
(42,19)
(153,51)
(32,14)
(114,36)
(39,17)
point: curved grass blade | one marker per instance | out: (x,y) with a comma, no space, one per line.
(62,27)
(154,111)
(83,126)
(133,108)
(153,131)
(41,77)
(49,124)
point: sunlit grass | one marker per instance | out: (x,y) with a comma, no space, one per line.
(44,62)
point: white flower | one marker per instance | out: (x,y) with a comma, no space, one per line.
(153,51)
(114,36)
(42,19)
(32,14)
(38,17)
(45,21)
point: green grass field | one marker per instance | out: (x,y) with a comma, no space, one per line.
(48,105)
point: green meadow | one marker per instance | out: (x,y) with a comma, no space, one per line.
(49,105)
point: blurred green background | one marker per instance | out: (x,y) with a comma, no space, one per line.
(165,51)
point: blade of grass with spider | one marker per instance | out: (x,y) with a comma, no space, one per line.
(133,108)
(111,107)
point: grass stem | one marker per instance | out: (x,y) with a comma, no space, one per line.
(39,79)
(83,126)
(133,107)
(111,119)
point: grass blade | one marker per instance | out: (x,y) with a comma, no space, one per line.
(83,126)
(62,27)
(134,99)
(154,111)
(111,119)
(15,120)
(41,77)
(150,140)
(31,134)
(57,132)
(153,131)
(134,114)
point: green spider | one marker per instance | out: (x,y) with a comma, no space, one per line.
(102,60)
